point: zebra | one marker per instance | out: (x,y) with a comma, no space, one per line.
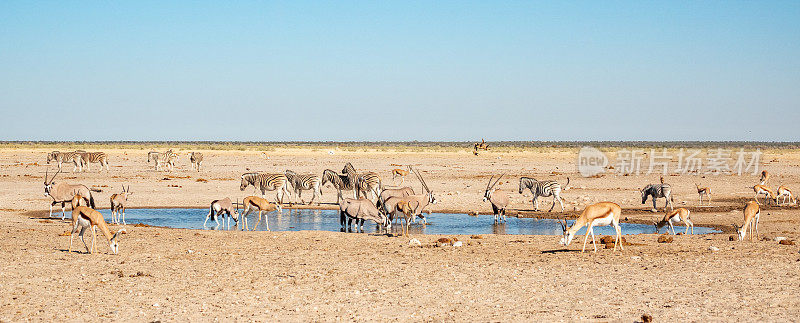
(363,183)
(94,157)
(304,182)
(339,182)
(66,157)
(196,159)
(543,189)
(168,158)
(267,182)
(658,191)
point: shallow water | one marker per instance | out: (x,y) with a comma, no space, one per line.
(328,220)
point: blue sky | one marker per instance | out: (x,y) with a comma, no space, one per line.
(400,70)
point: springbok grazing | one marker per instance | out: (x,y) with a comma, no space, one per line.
(404,208)
(252,203)
(498,199)
(118,202)
(673,217)
(764,178)
(752,212)
(401,173)
(658,191)
(88,158)
(595,215)
(363,182)
(84,217)
(480,146)
(418,202)
(66,157)
(703,191)
(225,208)
(543,189)
(63,193)
(196,159)
(767,192)
(786,194)
(307,182)
(339,182)
(267,182)
(359,210)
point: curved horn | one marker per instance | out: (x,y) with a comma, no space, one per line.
(424,185)
(46,173)
(490,182)
(498,180)
(54,176)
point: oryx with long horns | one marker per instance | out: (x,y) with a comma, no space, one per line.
(415,203)
(63,193)
(499,199)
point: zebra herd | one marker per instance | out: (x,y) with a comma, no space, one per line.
(79,159)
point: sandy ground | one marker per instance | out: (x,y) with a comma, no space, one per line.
(169,274)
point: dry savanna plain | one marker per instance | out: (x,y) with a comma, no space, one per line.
(326,276)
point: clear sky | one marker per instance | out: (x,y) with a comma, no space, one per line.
(400,70)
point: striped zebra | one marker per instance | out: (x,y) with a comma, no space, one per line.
(543,189)
(88,158)
(196,159)
(66,157)
(364,182)
(267,182)
(658,191)
(339,182)
(167,158)
(305,182)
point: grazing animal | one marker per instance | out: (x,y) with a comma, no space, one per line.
(118,202)
(305,182)
(752,213)
(498,199)
(196,159)
(64,193)
(658,191)
(223,207)
(66,157)
(673,217)
(786,194)
(480,146)
(252,203)
(84,217)
(363,182)
(167,158)
(401,173)
(703,191)
(99,157)
(339,182)
(267,182)
(764,178)
(767,192)
(418,202)
(360,210)
(543,189)
(404,208)
(599,214)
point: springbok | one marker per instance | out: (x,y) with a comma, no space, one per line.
(674,217)
(480,146)
(252,203)
(401,173)
(703,191)
(599,214)
(85,217)
(764,178)
(118,202)
(767,192)
(498,199)
(752,212)
(785,193)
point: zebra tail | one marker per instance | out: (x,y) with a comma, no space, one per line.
(567,184)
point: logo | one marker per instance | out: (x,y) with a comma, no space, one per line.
(591,161)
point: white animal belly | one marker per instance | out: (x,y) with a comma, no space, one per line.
(675,219)
(599,222)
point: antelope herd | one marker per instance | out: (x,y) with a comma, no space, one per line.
(372,201)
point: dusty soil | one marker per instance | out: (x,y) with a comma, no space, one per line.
(169,274)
